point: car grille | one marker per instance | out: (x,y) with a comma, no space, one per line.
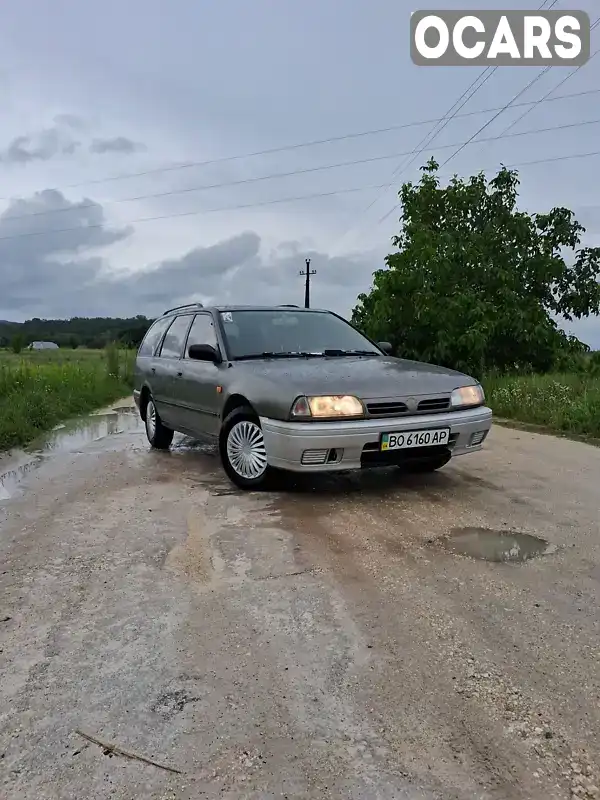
(434,404)
(394,408)
(386,409)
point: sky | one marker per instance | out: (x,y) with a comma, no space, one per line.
(111,110)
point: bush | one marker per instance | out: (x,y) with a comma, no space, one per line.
(567,402)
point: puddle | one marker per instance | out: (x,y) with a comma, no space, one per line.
(497,545)
(80,432)
(188,445)
(124,410)
(69,437)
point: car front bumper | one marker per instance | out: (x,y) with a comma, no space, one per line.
(299,446)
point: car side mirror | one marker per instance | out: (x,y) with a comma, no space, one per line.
(204,352)
(386,347)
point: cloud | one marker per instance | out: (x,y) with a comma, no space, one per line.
(201,271)
(46,270)
(43,146)
(70,121)
(118,144)
(58,140)
(237,270)
(62,273)
(56,273)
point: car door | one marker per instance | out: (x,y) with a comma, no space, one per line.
(168,370)
(199,396)
(146,361)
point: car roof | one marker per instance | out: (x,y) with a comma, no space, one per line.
(266,308)
(195,307)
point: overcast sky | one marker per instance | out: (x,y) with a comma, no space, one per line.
(91,91)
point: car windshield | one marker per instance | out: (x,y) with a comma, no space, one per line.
(273,333)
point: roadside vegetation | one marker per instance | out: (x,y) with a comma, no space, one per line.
(38,389)
(91,333)
(564,402)
(477,285)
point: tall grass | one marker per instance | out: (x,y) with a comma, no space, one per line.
(38,391)
(565,402)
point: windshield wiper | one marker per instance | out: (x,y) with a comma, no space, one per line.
(350,353)
(304,354)
(252,356)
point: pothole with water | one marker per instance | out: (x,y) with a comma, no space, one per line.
(497,545)
(68,437)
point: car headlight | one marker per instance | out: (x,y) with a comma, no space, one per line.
(467,396)
(328,406)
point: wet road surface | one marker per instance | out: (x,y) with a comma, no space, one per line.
(329,641)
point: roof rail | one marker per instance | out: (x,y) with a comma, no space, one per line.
(187,305)
(288,305)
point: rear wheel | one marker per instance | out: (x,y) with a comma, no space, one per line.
(243,451)
(159,436)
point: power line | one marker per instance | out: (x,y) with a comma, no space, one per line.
(198,212)
(435,133)
(545,97)
(304,171)
(427,139)
(510,102)
(300,145)
(471,90)
(552,160)
(275,201)
(501,111)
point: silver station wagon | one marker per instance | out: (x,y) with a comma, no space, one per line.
(285,388)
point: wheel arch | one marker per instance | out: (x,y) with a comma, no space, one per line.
(235,401)
(145,395)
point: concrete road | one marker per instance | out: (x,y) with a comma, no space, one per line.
(323,642)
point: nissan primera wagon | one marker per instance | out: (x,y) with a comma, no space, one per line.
(284,388)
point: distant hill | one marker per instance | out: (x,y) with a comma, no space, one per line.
(92,332)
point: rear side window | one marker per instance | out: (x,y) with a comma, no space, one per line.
(172,346)
(153,337)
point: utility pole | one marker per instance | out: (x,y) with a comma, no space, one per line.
(307,274)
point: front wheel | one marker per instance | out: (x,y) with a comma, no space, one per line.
(158,435)
(243,451)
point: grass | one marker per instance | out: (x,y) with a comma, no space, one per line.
(39,389)
(564,402)
(60,356)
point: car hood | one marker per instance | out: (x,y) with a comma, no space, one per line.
(366,377)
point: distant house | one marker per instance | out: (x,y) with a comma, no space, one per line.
(43,346)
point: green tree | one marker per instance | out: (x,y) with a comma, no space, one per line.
(17,343)
(475,283)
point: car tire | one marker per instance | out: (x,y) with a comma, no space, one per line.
(243,452)
(159,436)
(426,464)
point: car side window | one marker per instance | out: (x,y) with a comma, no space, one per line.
(172,346)
(202,332)
(152,338)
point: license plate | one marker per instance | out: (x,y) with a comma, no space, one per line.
(401,441)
